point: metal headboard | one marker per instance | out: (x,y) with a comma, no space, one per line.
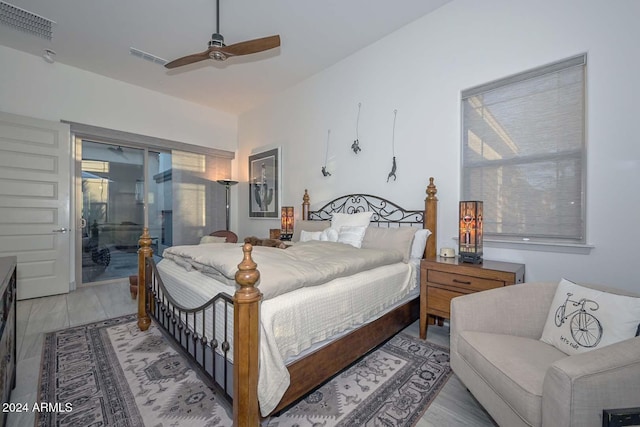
(384,211)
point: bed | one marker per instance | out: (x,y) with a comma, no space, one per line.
(231,353)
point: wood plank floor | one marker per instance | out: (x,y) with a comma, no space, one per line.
(454,406)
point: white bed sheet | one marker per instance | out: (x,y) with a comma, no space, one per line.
(304,319)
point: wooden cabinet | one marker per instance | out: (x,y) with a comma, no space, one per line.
(442,279)
(7,329)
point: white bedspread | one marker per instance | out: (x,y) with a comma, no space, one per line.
(292,323)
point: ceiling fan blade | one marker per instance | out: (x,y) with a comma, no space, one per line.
(189,59)
(251,46)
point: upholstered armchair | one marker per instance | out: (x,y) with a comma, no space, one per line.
(521,381)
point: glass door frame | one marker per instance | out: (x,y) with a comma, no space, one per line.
(77,204)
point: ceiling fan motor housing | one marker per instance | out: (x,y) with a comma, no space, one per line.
(217,41)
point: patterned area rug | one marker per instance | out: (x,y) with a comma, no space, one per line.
(111,374)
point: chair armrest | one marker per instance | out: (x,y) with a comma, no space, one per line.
(519,310)
(576,389)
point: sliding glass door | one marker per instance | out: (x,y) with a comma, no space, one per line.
(112,210)
(127,187)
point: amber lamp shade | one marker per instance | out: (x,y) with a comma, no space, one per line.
(470,232)
(286,223)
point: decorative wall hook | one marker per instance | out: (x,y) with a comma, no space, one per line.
(356,144)
(325,172)
(393,148)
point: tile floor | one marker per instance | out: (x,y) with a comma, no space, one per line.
(454,406)
(39,315)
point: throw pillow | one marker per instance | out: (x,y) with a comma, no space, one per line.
(212,239)
(329,235)
(339,220)
(352,235)
(305,235)
(583,319)
(308,226)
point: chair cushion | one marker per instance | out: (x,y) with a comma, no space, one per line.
(514,367)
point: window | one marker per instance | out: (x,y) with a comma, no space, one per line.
(523,153)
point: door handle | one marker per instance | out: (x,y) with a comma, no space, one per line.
(60,230)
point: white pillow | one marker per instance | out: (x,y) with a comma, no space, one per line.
(305,236)
(339,220)
(329,235)
(352,235)
(583,319)
(212,239)
(308,226)
(419,243)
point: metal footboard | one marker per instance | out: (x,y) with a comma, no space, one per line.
(207,349)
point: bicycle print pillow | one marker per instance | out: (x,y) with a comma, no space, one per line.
(583,319)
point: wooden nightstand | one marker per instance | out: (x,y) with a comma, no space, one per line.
(442,279)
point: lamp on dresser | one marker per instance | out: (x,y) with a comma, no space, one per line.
(227,184)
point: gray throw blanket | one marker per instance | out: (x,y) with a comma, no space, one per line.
(282,270)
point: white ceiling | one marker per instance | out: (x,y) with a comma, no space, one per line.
(96,35)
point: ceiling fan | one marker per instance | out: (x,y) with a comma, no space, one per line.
(119,151)
(219,51)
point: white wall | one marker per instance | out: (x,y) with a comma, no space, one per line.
(32,87)
(420,71)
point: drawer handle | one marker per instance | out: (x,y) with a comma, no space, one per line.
(461,282)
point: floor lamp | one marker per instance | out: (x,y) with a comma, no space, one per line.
(227,185)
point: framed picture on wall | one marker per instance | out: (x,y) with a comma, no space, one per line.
(264,184)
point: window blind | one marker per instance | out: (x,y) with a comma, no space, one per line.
(523,153)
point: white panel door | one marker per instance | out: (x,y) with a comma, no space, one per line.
(34,202)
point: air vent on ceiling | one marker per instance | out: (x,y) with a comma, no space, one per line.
(147,56)
(26,21)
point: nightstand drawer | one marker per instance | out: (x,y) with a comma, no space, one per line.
(440,300)
(462,281)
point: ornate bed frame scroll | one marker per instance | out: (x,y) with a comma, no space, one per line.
(385,213)
(307,373)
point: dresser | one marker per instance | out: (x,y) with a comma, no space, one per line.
(442,279)
(7,329)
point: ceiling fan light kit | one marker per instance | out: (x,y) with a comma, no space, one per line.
(219,51)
